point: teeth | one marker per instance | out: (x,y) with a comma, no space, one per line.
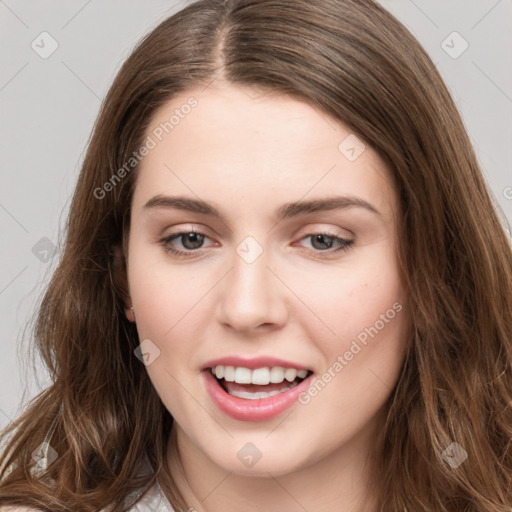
(261,376)
(229,373)
(259,394)
(276,375)
(290,374)
(243,375)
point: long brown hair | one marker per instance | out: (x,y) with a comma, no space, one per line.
(357,63)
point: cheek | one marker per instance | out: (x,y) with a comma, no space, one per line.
(361,362)
(165,294)
(166,301)
(351,297)
(364,306)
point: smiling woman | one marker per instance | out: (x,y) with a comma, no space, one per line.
(313,275)
(297,297)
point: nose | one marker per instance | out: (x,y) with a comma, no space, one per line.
(251,297)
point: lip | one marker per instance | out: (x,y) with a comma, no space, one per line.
(261,409)
(252,364)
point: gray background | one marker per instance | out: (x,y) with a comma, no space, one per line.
(48,106)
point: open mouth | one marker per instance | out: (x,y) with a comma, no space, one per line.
(260,383)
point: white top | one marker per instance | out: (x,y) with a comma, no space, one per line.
(153,501)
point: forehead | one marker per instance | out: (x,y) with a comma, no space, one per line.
(228,118)
(226,140)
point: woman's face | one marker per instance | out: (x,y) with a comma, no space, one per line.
(273,274)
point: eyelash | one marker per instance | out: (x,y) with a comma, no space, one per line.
(165,243)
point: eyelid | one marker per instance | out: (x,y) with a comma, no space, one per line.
(187,228)
(314,229)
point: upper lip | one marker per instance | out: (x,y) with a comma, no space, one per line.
(256,362)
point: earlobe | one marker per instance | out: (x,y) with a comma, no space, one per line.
(121,282)
(129,311)
(130,314)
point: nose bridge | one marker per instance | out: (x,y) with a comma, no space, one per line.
(250,295)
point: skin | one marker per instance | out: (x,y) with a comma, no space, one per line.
(247,154)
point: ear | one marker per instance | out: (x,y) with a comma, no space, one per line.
(121,282)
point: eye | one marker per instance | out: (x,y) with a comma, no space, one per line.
(321,240)
(192,240)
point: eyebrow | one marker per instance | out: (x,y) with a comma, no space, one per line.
(286,211)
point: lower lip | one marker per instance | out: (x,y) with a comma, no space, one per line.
(261,409)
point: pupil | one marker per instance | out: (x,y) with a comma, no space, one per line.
(320,238)
(192,238)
